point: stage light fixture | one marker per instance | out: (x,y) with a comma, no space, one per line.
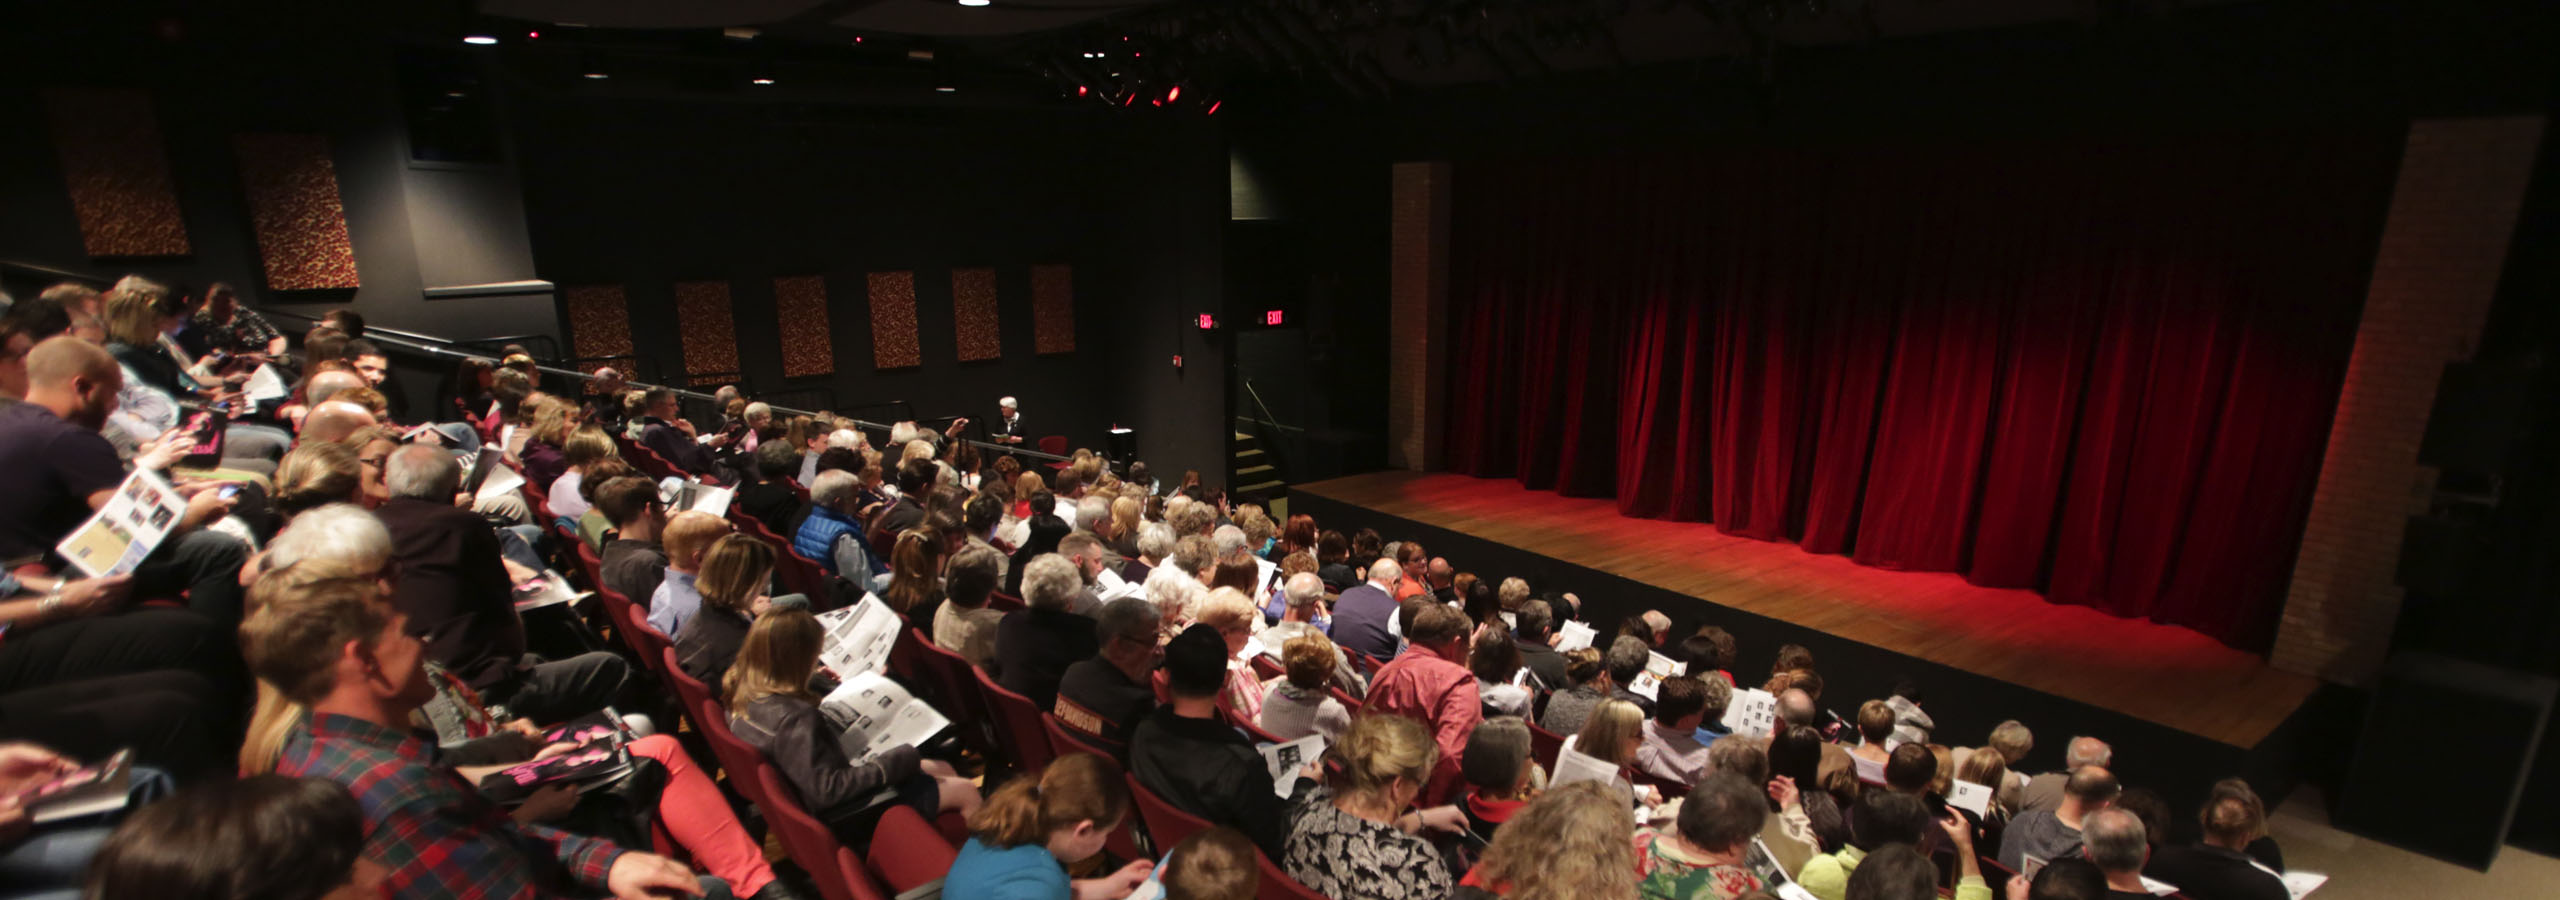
(974,2)
(533,35)
(480,40)
(946,89)
(764,81)
(599,76)
(1213,107)
(1173,95)
(1081,90)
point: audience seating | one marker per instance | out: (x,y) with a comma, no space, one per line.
(906,852)
(646,460)
(1268,668)
(1277,885)
(1019,721)
(1124,842)
(1006,602)
(955,686)
(1166,825)
(1545,746)
(809,840)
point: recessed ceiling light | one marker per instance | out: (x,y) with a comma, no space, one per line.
(453,93)
(764,81)
(947,89)
(737,33)
(599,76)
(974,2)
(481,39)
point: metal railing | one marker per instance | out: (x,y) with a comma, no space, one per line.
(445,348)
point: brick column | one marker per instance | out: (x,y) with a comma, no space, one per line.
(2444,244)
(1418,295)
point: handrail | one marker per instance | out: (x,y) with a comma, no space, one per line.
(399,339)
(1267,417)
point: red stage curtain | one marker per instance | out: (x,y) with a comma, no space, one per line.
(2101,370)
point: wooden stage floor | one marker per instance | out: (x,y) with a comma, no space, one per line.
(2164,674)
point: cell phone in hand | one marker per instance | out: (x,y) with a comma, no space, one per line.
(231,490)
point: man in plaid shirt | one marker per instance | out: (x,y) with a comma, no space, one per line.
(337,646)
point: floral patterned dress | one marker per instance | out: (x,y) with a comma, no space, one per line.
(1346,857)
(1665,872)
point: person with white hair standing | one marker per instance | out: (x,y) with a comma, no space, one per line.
(1007,428)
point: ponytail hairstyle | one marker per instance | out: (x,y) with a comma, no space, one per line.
(1077,787)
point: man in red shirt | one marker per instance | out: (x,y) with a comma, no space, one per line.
(1429,682)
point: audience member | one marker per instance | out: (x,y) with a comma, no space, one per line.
(1297,703)
(1022,839)
(1671,749)
(1911,724)
(1302,600)
(1233,616)
(1035,646)
(1611,736)
(1796,756)
(1875,730)
(1363,615)
(1535,634)
(665,432)
(2064,879)
(1185,755)
(2220,866)
(831,532)
(265,837)
(1707,851)
(690,537)
(1495,660)
(915,580)
(57,470)
(1428,684)
(633,563)
(1107,695)
(844,783)
(1628,657)
(1568,708)
(735,575)
(966,625)
(1386,760)
(2044,793)
(335,648)
(1502,776)
(453,594)
(1217,864)
(2049,834)
(1788,832)
(1877,820)
(1573,841)
(2115,841)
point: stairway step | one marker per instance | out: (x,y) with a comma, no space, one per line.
(1267,487)
(1249,456)
(1256,473)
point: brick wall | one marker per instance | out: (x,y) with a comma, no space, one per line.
(1418,293)
(2453,210)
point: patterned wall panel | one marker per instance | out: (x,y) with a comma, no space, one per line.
(893,321)
(117,172)
(295,211)
(1053,309)
(973,310)
(600,327)
(808,346)
(710,334)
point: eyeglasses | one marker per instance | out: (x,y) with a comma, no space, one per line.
(373,461)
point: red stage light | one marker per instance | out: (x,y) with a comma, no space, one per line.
(1173,95)
(1213,106)
(1132,101)
(1157,102)
(1081,90)
(533,35)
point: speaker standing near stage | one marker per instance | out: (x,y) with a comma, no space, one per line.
(1008,425)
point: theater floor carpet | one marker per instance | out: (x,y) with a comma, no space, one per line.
(2162,674)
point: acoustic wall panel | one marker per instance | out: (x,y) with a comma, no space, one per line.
(600,328)
(808,346)
(710,333)
(295,211)
(117,172)
(893,321)
(973,312)
(1053,309)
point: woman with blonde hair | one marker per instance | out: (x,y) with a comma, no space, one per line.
(729,592)
(585,447)
(1987,768)
(1355,841)
(315,475)
(1235,617)
(1022,839)
(1611,736)
(1122,533)
(771,707)
(554,420)
(1570,843)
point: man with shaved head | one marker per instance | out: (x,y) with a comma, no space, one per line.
(2044,792)
(56,469)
